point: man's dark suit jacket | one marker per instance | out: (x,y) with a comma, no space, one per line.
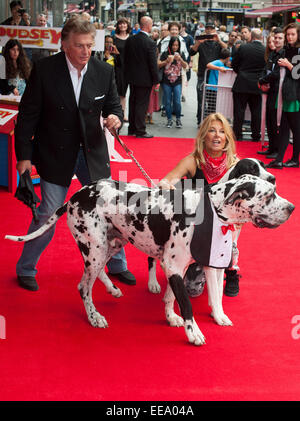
(140,60)
(248,62)
(51,127)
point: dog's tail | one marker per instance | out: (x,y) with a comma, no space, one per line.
(48,224)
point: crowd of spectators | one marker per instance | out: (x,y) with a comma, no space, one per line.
(15,60)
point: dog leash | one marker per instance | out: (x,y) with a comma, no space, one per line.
(130,154)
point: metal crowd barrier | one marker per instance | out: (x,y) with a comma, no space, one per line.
(218,98)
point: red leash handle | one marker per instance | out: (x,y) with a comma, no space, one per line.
(130,153)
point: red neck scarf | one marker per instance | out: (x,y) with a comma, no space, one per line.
(214,168)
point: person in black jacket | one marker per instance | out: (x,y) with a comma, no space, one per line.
(141,72)
(248,63)
(16,8)
(290,119)
(58,130)
(231,42)
(209,50)
(269,83)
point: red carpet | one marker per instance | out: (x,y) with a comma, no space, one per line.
(52,353)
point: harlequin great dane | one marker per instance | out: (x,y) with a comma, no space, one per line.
(195,277)
(105,215)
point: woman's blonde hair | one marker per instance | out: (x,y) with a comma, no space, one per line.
(229,145)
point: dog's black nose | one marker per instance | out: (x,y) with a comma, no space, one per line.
(291,207)
(271,179)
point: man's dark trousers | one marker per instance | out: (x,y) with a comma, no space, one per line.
(138,105)
(240,101)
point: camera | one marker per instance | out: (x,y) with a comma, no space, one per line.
(204,36)
(21,11)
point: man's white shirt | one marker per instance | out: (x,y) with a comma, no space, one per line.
(76,81)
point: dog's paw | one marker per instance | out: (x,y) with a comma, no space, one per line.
(154,287)
(97,320)
(174,320)
(221,319)
(194,334)
(115,291)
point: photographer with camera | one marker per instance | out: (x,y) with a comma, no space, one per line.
(17,11)
(209,47)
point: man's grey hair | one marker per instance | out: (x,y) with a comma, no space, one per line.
(76,24)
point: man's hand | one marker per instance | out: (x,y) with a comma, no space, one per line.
(195,46)
(22,166)
(216,37)
(112,122)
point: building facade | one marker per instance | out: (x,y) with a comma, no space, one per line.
(223,12)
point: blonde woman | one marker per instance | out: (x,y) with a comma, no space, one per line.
(214,153)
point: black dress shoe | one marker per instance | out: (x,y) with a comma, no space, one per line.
(266,152)
(130,133)
(272,155)
(275,164)
(145,135)
(28,282)
(126,277)
(291,164)
(232,283)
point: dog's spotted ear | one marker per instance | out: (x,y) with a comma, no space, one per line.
(244,191)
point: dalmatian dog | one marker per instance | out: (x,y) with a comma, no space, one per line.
(107,214)
(195,275)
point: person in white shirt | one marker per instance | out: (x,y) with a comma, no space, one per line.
(61,108)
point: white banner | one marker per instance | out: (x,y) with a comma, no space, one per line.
(41,37)
(224,97)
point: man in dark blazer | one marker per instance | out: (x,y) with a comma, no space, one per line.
(232,38)
(248,62)
(141,70)
(59,131)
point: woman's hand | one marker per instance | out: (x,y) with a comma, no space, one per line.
(284,62)
(16,92)
(164,184)
(114,50)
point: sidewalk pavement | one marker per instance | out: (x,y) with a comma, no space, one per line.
(189,119)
